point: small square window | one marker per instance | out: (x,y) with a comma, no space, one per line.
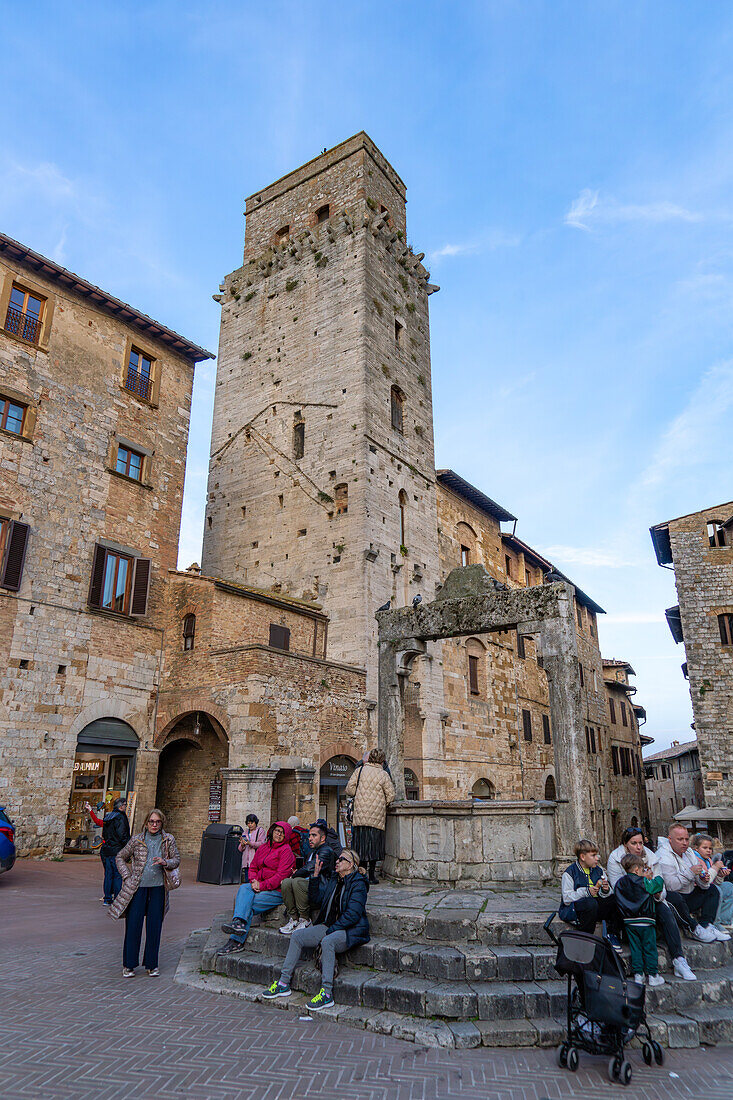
(129,463)
(12,415)
(323,213)
(25,314)
(283,233)
(399,330)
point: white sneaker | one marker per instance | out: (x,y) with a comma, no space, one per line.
(704,935)
(639,978)
(719,933)
(682,969)
(127,973)
(290,927)
(305,923)
(154,973)
(655,979)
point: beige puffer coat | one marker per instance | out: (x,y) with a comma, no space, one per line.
(131,864)
(372,796)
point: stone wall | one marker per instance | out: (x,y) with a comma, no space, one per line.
(704,580)
(61,664)
(627,793)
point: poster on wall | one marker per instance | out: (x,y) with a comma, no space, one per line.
(215,800)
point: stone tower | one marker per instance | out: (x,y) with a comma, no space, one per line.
(322,471)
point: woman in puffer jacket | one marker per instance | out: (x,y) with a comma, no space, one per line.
(272,862)
(372,790)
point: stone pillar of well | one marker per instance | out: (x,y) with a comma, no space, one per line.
(572,776)
(305,795)
(146,785)
(248,790)
(395,659)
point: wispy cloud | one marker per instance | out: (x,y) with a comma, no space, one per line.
(594,557)
(590,210)
(488,241)
(688,439)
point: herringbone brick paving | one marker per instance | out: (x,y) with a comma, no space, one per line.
(73,1028)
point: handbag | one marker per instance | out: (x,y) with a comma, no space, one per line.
(613,1000)
(350,801)
(172,878)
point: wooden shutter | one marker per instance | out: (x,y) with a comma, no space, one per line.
(527,725)
(612,708)
(473,674)
(521,651)
(546,729)
(279,637)
(97,579)
(614,758)
(14,560)
(140,587)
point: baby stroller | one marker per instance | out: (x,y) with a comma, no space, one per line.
(605,1008)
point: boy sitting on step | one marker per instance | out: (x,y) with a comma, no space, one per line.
(637,894)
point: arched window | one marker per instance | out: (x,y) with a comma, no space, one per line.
(397,402)
(189,631)
(466,537)
(298,436)
(483,789)
(341,499)
(550,789)
(476,667)
(403,518)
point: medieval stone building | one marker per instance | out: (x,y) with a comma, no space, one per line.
(252,684)
(699,547)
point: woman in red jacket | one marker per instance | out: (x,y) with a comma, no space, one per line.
(272,862)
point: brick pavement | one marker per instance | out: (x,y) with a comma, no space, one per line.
(74,1028)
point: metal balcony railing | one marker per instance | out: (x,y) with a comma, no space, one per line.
(137,383)
(24,325)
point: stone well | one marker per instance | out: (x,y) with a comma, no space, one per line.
(465,841)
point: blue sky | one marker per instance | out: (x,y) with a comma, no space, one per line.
(569,176)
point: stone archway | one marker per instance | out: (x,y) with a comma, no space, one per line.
(191,758)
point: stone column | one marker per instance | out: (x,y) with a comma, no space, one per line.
(305,795)
(248,790)
(572,777)
(146,784)
(394,668)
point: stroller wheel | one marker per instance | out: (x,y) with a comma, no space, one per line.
(614,1067)
(624,1073)
(658,1053)
(573,1059)
(647,1054)
(561,1054)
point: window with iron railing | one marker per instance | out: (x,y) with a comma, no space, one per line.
(25,315)
(140,374)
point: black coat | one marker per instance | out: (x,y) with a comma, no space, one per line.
(115,833)
(327,858)
(347,912)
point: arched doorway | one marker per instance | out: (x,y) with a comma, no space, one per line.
(104,769)
(189,763)
(483,790)
(550,789)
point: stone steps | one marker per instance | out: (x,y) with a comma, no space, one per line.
(469,995)
(469,961)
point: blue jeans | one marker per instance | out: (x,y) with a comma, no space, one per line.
(112,879)
(247,903)
(147,905)
(725,906)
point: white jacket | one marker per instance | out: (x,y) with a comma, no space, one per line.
(615,871)
(677,871)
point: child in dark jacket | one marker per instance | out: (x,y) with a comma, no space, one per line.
(586,894)
(637,894)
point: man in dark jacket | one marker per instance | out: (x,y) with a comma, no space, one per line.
(115,835)
(295,888)
(341,923)
(330,834)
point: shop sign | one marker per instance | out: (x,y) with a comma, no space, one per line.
(215,800)
(93,766)
(338,767)
(410,778)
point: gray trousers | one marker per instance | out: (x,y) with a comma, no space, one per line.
(311,937)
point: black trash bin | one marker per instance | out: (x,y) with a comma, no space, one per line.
(220,861)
